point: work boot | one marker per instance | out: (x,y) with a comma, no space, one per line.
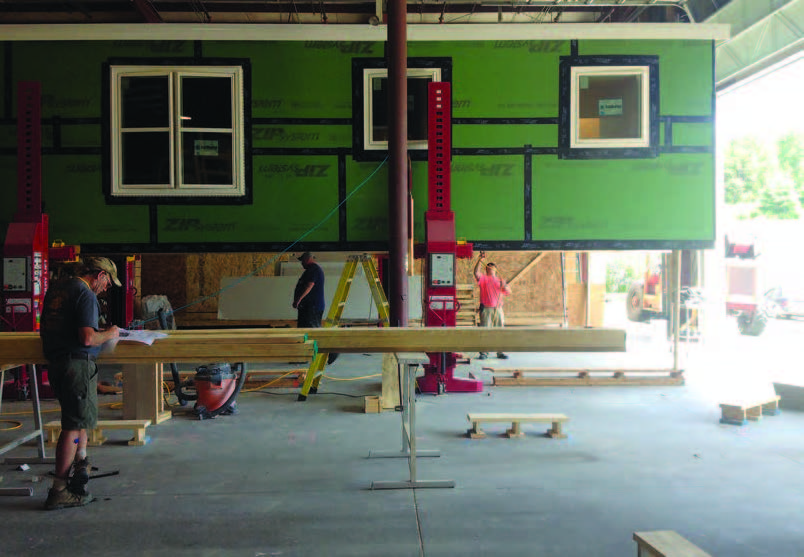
(80,476)
(63,498)
(482,356)
(502,356)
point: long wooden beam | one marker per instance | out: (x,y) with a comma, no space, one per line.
(255,345)
(26,348)
(443,339)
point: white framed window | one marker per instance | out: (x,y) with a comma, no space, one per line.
(376,112)
(610,107)
(177,131)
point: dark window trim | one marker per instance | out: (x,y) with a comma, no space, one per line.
(359,153)
(565,116)
(106,143)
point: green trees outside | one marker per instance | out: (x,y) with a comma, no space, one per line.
(766,180)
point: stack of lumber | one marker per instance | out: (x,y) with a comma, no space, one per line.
(296,345)
(189,347)
(467,314)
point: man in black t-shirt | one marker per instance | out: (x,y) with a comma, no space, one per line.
(71,340)
(308,297)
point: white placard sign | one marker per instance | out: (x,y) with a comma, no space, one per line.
(610,107)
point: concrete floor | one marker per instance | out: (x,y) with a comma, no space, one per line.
(293,479)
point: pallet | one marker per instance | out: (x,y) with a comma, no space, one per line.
(666,543)
(95,436)
(467,315)
(739,412)
(553,377)
(516,421)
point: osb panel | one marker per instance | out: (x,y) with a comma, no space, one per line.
(536,292)
(164,274)
(205,271)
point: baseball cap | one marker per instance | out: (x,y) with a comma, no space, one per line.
(304,256)
(103,264)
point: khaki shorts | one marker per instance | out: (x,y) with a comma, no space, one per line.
(75,383)
(492,317)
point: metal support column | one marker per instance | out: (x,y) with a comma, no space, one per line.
(397,162)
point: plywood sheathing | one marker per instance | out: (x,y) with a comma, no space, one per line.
(165,274)
(536,294)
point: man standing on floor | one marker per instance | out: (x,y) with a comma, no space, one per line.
(71,340)
(492,290)
(308,298)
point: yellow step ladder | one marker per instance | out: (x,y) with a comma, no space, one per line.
(333,319)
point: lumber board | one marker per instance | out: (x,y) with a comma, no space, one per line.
(440,339)
(19,348)
(666,543)
(750,403)
(587,381)
(515,417)
(578,371)
(242,338)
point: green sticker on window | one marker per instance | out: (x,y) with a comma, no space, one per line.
(205,148)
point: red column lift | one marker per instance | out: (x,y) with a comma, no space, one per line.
(441,247)
(25,253)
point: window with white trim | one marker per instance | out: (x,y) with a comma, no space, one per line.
(376,112)
(177,131)
(610,107)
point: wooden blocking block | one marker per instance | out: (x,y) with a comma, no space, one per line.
(515,431)
(53,430)
(555,431)
(666,543)
(371,405)
(771,408)
(95,437)
(476,432)
(139,438)
(754,413)
(732,415)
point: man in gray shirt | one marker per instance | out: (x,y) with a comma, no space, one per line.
(71,340)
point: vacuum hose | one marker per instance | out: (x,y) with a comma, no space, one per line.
(174,370)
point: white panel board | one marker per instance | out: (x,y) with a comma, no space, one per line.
(265,298)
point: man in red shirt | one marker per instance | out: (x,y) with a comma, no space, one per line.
(492,290)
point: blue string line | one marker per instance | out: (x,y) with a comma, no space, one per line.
(287,249)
